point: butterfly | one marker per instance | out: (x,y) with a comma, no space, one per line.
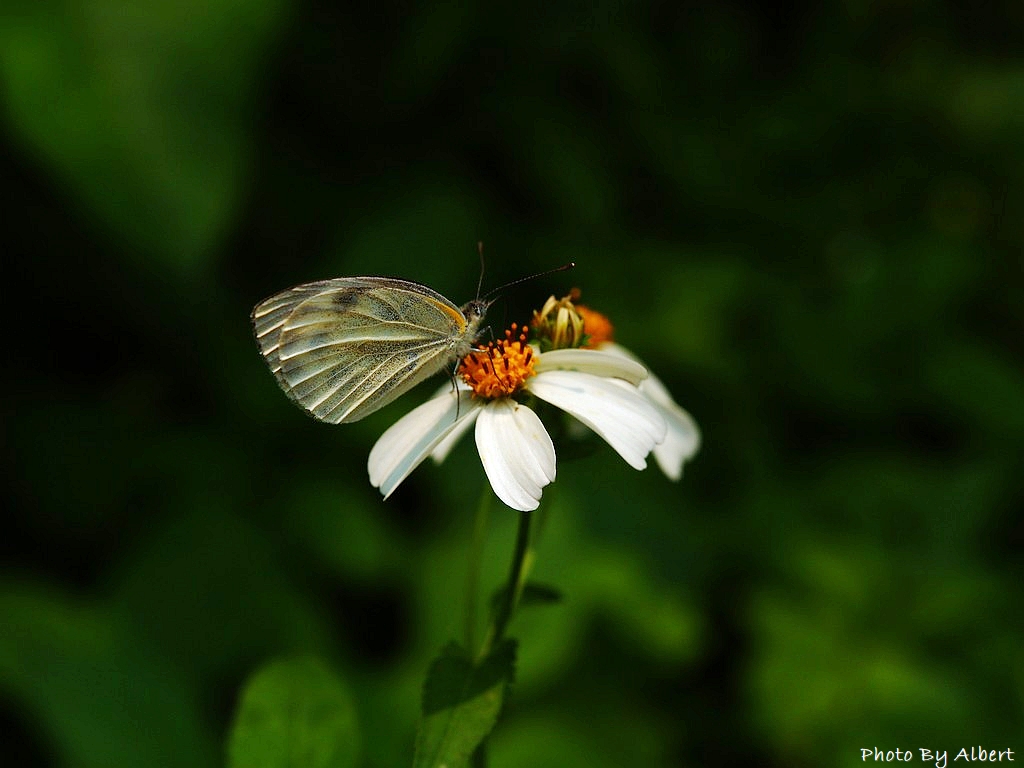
(343,348)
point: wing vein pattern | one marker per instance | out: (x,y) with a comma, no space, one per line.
(343,348)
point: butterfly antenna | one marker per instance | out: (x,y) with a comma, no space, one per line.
(480,282)
(562,268)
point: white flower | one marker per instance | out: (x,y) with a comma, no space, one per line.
(598,388)
(565,323)
(683,437)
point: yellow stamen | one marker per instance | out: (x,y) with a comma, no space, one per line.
(501,368)
(557,325)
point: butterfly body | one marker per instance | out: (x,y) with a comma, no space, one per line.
(343,348)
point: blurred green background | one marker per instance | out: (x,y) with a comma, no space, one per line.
(808,218)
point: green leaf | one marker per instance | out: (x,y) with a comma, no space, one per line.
(295,713)
(461,704)
(534,593)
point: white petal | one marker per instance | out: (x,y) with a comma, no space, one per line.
(516,452)
(683,437)
(591,361)
(681,441)
(617,349)
(620,414)
(411,439)
(443,448)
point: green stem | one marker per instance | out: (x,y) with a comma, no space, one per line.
(522,562)
(476,552)
(519,572)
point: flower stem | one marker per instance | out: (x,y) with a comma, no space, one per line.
(522,562)
(476,551)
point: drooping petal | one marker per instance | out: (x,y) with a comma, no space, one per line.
(681,441)
(443,448)
(411,439)
(619,414)
(683,437)
(516,451)
(603,364)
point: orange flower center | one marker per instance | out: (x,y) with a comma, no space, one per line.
(598,328)
(501,368)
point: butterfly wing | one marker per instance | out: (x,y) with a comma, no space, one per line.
(343,348)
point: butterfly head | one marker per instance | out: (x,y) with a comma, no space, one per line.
(475,310)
